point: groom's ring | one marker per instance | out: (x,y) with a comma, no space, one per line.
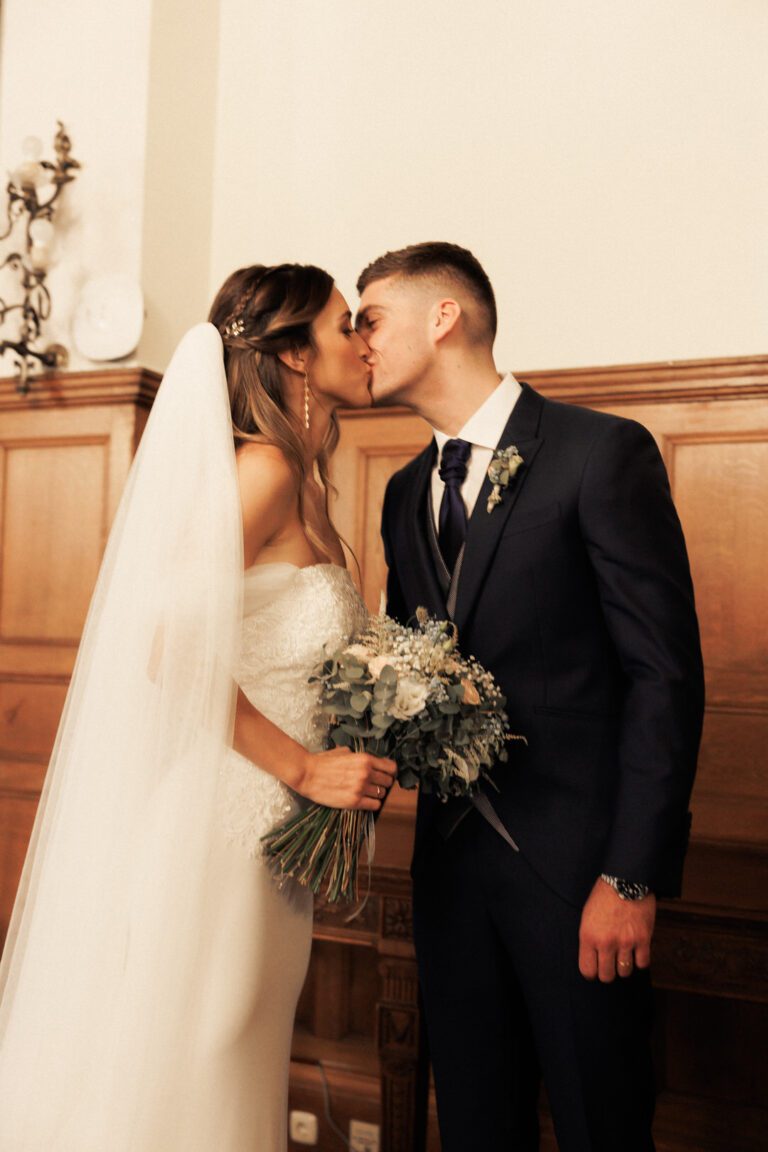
(379,791)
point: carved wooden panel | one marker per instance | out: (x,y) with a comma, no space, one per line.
(396,918)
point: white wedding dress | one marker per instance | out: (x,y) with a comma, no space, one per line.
(152,966)
(260,935)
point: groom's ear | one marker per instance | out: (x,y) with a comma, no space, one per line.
(444,318)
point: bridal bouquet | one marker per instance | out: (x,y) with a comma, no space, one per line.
(406,694)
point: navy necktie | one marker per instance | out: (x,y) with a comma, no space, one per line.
(452,524)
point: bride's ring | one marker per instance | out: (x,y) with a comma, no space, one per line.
(379,791)
(624,964)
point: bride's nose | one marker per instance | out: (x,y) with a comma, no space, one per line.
(363,349)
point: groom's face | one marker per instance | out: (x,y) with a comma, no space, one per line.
(393,319)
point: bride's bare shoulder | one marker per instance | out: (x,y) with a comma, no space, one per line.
(264,465)
(268,494)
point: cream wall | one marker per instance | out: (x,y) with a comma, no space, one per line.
(607,160)
(135,85)
(178,189)
(87,64)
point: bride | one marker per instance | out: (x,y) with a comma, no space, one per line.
(153,964)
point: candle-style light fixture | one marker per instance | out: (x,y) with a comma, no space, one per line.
(33,189)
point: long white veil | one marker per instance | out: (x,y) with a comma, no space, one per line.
(102,982)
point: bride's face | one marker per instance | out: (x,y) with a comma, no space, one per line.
(337,367)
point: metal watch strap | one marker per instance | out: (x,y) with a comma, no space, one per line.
(626,889)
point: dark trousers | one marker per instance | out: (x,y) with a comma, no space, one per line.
(505,1004)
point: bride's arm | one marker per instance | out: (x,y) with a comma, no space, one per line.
(338,778)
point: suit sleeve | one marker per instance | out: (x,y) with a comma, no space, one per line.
(396,607)
(636,546)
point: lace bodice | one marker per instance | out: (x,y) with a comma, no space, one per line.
(291,616)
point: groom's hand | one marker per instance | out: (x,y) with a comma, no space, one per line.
(615,934)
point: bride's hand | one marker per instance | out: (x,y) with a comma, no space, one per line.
(341,778)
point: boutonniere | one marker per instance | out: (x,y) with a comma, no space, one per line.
(502,468)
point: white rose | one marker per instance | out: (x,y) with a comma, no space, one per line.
(410,698)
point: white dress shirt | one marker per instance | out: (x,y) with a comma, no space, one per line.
(483,431)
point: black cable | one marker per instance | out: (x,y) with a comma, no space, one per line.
(326,1098)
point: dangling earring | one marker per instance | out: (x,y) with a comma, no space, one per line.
(306,400)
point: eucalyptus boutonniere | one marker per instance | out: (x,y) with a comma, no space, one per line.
(502,468)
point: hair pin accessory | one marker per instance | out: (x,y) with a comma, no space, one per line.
(235,327)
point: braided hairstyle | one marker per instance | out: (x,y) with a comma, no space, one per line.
(261,311)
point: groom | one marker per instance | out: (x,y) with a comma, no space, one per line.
(534,906)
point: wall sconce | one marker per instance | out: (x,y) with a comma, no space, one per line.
(32,192)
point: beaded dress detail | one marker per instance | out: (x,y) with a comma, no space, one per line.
(291,617)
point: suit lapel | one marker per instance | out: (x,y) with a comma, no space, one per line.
(485,528)
(430,594)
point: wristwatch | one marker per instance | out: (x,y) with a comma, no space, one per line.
(626,889)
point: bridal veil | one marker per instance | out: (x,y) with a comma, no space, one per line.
(102,981)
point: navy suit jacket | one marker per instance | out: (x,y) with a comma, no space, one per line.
(576,593)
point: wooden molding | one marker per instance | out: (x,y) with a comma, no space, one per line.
(671,381)
(737,377)
(75,389)
(664,381)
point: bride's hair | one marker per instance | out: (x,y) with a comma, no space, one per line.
(261,311)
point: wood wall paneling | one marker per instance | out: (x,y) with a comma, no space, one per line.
(64,455)
(54,492)
(65,452)
(374,444)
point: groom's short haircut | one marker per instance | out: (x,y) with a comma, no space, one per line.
(440,263)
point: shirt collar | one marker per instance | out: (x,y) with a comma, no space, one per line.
(485,426)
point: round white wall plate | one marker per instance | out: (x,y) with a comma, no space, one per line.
(108,317)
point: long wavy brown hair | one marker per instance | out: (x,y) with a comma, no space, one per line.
(273,309)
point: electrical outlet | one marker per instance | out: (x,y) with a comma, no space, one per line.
(363,1137)
(302,1127)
